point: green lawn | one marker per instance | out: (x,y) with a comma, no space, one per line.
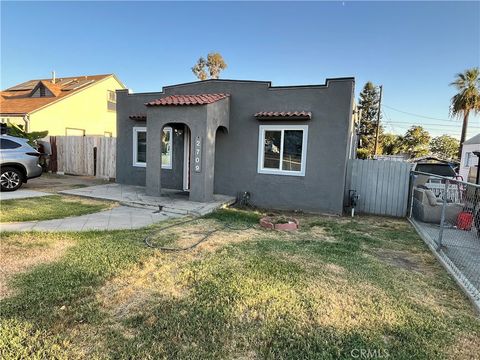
(328,291)
(48,207)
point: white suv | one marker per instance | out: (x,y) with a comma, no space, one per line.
(18,162)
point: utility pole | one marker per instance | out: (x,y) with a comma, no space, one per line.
(377,132)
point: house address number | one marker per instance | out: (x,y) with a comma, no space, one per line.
(197,159)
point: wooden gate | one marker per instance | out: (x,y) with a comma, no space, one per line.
(382,186)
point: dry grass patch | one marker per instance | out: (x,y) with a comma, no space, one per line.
(131,291)
(164,275)
(21,252)
(321,233)
(401,259)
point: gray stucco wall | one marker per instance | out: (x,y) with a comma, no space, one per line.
(203,122)
(236,152)
(126,172)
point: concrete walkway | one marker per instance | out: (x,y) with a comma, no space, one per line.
(118,218)
(137,210)
(171,201)
(21,194)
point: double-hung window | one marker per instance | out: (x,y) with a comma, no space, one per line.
(282,149)
(140,147)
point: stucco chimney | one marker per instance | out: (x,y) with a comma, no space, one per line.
(53,77)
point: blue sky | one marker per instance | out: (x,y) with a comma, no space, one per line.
(414,49)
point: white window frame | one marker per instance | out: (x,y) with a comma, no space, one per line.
(138,129)
(169,130)
(261,149)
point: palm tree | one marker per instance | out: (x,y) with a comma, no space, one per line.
(467,99)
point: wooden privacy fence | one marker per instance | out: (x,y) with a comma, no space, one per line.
(84,155)
(382,186)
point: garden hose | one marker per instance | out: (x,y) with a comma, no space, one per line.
(204,238)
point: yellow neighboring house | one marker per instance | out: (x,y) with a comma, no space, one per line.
(78,105)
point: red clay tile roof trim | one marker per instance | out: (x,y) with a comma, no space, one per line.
(138,117)
(179,100)
(284,114)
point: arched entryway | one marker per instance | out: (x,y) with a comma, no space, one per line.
(202,122)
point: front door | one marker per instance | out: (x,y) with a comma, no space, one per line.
(186,158)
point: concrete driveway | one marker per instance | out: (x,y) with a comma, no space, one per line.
(53,183)
(49,184)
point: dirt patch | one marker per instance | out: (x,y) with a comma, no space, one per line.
(401,259)
(20,255)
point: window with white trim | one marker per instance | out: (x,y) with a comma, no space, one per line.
(282,149)
(140,147)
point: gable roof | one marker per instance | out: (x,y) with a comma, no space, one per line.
(18,100)
(473,140)
(200,99)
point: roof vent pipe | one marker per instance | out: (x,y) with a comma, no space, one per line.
(53,77)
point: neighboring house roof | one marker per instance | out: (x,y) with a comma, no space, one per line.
(473,140)
(18,100)
(179,100)
(284,114)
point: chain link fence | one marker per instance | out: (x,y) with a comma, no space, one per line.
(446,213)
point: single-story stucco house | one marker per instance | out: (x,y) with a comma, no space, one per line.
(287,146)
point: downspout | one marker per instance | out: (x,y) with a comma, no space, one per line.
(26,118)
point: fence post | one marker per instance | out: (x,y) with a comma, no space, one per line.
(410,194)
(442,218)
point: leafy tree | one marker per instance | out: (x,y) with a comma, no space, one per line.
(445,147)
(466,100)
(416,142)
(391,144)
(199,69)
(18,131)
(214,63)
(368,104)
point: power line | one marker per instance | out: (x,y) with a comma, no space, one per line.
(431,125)
(418,115)
(388,120)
